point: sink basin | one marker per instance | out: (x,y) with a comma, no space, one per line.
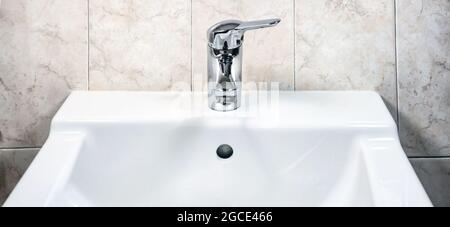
(159,149)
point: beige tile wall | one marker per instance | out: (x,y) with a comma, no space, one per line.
(139,45)
(43,55)
(48,48)
(346,45)
(13,164)
(424,76)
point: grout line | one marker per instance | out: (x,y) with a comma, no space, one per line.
(396,65)
(88,47)
(192,50)
(429,157)
(19,148)
(295,46)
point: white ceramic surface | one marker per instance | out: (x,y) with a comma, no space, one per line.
(159,149)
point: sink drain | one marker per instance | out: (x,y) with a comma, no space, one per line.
(225,151)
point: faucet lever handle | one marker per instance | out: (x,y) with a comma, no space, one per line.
(229,34)
(252,25)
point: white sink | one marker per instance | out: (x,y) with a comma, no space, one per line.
(159,149)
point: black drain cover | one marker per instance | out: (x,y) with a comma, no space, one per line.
(225,151)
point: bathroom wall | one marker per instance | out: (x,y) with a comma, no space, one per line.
(400,48)
(423,50)
(13,164)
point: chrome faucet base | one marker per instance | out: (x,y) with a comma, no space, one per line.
(225,41)
(221,107)
(224,101)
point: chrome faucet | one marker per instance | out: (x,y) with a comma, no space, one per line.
(225,41)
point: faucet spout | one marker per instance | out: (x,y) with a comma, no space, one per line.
(252,25)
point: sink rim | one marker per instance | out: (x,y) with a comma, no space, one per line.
(67,128)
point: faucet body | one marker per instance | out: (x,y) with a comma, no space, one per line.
(225,41)
(224,79)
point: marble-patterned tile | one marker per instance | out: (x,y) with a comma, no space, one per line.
(13,164)
(424,76)
(268,53)
(346,45)
(140,45)
(43,55)
(434,173)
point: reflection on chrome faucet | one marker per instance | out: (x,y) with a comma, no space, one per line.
(225,61)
